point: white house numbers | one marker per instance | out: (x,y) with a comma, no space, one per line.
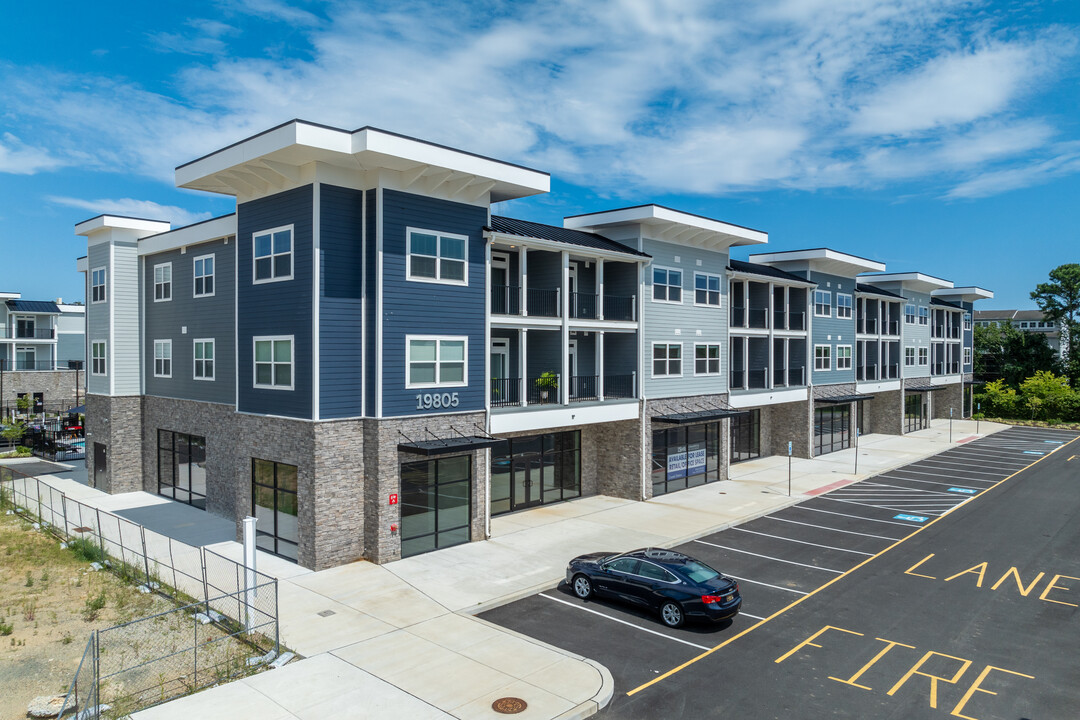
(427,401)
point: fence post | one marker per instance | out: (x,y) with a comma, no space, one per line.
(101,534)
(249,574)
(205,585)
(63,510)
(145,557)
(97,669)
(37,489)
(277,621)
(195,687)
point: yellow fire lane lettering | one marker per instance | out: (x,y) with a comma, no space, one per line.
(975,688)
(1054,586)
(981,573)
(933,678)
(1019,583)
(910,569)
(889,645)
(810,641)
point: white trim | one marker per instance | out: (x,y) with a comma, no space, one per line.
(719,359)
(213,275)
(379,300)
(850,357)
(827,293)
(565,415)
(850,307)
(753,399)
(924,357)
(363,302)
(207,231)
(439,340)
(104,357)
(104,285)
(828,357)
(719,290)
(292,361)
(913,354)
(112,318)
(652,284)
(164,283)
(316,301)
(165,343)
(667,360)
(292,255)
(213,345)
(438,257)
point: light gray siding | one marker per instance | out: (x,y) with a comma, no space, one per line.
(70,346)
(685,323)
(97,317)
(916,335)
(124,352)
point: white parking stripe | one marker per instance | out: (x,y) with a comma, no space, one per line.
(966,467)
(775,587)
(756,617)
(826,527)
(802,542)
(879,507)
(928,482)
(876,484)
(630,624)
(981,456)
(768,557)
(857,517)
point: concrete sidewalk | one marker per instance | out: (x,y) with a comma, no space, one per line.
(400,640)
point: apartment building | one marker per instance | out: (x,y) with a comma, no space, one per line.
(1032,321)
(373,363)
(42,351)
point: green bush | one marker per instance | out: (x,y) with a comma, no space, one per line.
(86,549)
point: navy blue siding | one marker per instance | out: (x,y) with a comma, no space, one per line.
(969,337)
(276,308)
(371,299)
(419,308)
(341,216)
(620,353)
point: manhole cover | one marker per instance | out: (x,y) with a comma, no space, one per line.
(326,613)
(509,705)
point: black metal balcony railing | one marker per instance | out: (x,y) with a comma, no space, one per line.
(584,387)
(778,377)
(892,327)
(738,316)
(954,333)
(18,365)
(542,302)
(788,320)
(797,376)
(937,369)
(505,300)
(954,368)
(543,390)
(617,307)
(737,380)
(891,372)
(869,326)
(758,317)
(583,306)
(937,331)
(796,321)
(619,386)
(505,391)
(757,379)
(34,333)
(866,372)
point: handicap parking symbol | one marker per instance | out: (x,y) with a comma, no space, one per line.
(911,518)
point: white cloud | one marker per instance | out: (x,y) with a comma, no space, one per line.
(996,182)
(131,207)
(20,159)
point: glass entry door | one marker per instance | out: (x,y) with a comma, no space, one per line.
(529,480)
(914,412)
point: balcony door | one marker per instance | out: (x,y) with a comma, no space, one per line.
(504,298)
(573,368)
(25,358)
(504,388)
(24,327)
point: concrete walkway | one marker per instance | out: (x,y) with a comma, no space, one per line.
(400,640)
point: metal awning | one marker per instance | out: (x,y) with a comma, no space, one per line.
(685,418)
(441,446)
(924,388)
(843,398)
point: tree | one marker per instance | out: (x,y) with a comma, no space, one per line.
(1003,352)
(1059,301)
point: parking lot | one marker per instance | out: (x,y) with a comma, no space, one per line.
(780,558)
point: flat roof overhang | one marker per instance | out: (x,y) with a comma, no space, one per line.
(823,260)
(840,399)
(968,293)
(275,156)
(449,445)
(686,418)
(672,226)
(920,282)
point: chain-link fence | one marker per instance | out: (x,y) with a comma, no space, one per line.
(229,611)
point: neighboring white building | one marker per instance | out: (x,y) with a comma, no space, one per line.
(1027,320)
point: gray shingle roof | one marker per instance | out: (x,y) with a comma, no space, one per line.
(525,228)
(766,270)
(875,290)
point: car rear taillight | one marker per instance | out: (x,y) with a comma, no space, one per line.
(709,599)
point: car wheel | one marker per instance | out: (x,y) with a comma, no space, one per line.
(671,614)
(582,587)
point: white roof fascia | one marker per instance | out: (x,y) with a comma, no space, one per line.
(189,235)
(822,260)
(10,296)
(116,222)
(655,215)
(917,281)
(80,309)
(81,265)
(968,293)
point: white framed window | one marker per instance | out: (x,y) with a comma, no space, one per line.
(822,303)
(1023,325)
(843,357)
(667,360)
(924,356)
(97,354)
(203,267)
(273,359)
(967,356)
(924,315)
(909,356)
(843,306)
(707,289)
(163,358)
(97,285)
(967,321)
(272,255)
(909,314)
(822,357)
(437,257)
(204,359)
(436,361)
(163,282)
(666,285)
(706,359)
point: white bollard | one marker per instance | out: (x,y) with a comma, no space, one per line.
(249,574)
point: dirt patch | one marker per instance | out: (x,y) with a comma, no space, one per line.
(50,601)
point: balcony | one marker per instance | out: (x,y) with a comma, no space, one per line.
(791,377)
(617,307)
(545,389)
(27,333)
(543,302)
(937,368)
(890,372)
(866,372)
(891,327)
(783,320)
(868,326)
(18,365)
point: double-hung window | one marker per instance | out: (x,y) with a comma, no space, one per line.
(667,359)
(822,357)
(924,356)
(273,255)
(438,257)
(706,359)
(843,357)
(822,303)
(909,356)
(163,282)
(163,358)
(667,285)
(909,314)
(706,289)
(843,307)
(204,276)
(967,321)
(204,359)
(967,356)
(436,361)
(97,354)
(924,315)
(97,285)
(274,362)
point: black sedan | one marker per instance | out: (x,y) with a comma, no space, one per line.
(675,585)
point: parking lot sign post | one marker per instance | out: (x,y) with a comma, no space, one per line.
(978,412)
(789,468)
(856,451)
(950,424)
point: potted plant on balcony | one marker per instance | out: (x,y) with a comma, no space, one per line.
(547,383)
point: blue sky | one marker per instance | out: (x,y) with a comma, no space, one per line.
(941,136)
